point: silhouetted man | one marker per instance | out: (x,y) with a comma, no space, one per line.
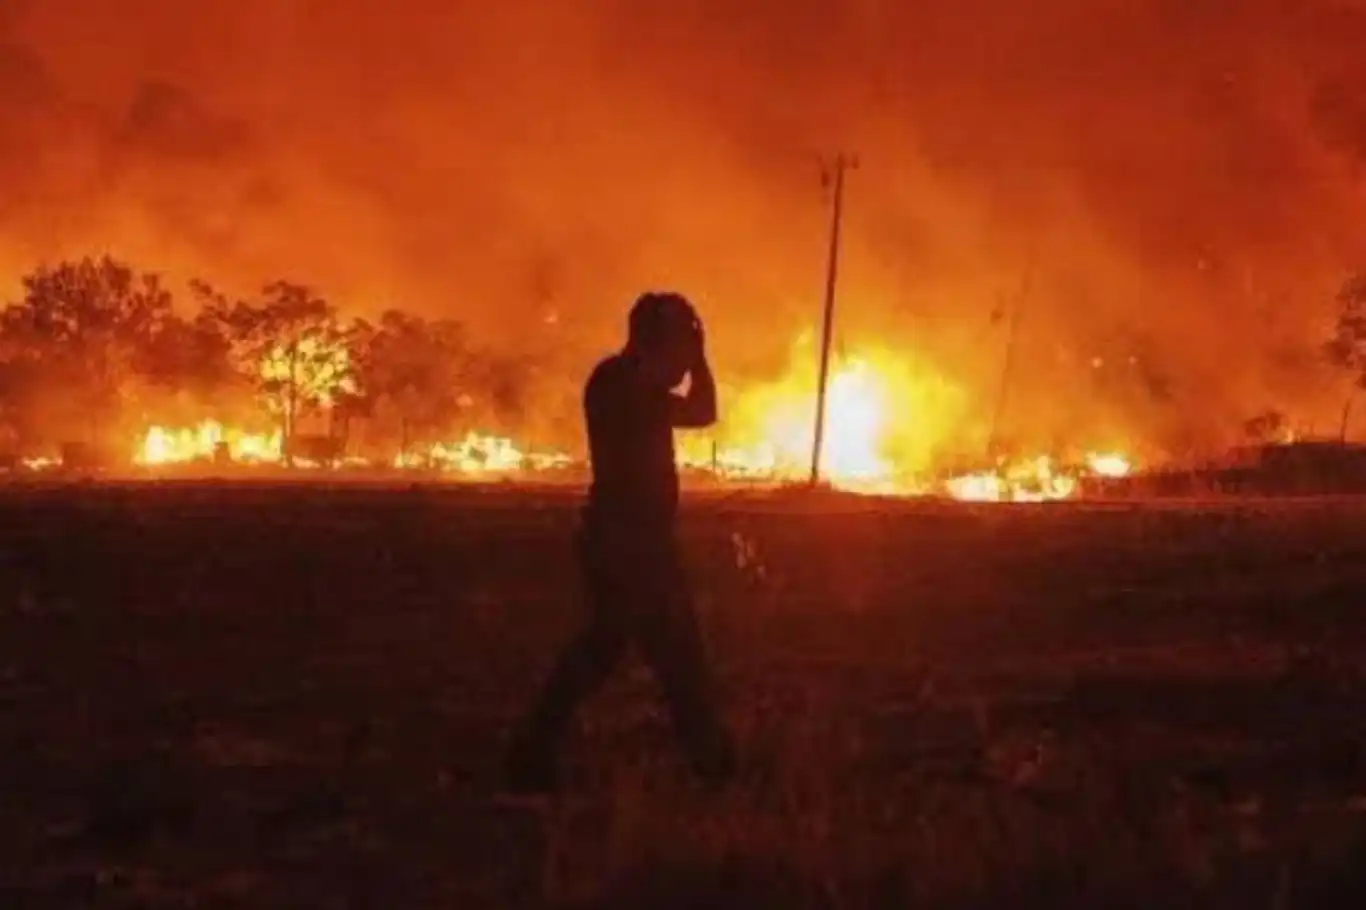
(633,578)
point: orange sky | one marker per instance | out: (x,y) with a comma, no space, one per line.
(1184,175)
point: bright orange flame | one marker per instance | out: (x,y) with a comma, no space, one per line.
(475,454)
(856,419)
(884,417)
(165,446)
(1108,464)
(479,453)
(887,420)
(1031,480)
(317,369)
(885,423)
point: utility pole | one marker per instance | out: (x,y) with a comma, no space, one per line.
(835,173)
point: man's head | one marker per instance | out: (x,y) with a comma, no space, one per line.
(665,333)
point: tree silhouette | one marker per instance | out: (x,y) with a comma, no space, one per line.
(21,411)
(1266,427)
(414,371)
(289,345)
(188,370)
(84,329)
(1347,348)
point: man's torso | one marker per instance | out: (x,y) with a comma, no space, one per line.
(630,441)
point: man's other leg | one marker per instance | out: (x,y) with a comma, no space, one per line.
(666,631)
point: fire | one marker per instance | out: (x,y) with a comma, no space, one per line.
(890,420)
(1108,464)
(1035,479)
(851,447)
(479,453)
(884,417)
(317,369)
(887,420)
(311,372)
(856,417)
(474,454)
(164,446)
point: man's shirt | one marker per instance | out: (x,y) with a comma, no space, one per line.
(630,441)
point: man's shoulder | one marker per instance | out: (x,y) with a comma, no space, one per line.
(611,374)
(612,364)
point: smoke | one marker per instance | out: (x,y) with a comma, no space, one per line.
(1181,179)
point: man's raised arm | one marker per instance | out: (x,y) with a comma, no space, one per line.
(696,409)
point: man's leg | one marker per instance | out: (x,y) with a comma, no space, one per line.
(581,670)
(666,631)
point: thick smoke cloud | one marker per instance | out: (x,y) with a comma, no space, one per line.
(1181,180)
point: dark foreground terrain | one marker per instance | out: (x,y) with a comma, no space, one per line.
(295,697)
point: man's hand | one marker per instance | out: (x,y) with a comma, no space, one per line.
(698,408)
(699,343)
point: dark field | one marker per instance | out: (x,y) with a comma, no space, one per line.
(295,697)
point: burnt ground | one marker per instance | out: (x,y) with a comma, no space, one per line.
(295,696)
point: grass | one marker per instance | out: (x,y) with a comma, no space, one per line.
(295,697)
